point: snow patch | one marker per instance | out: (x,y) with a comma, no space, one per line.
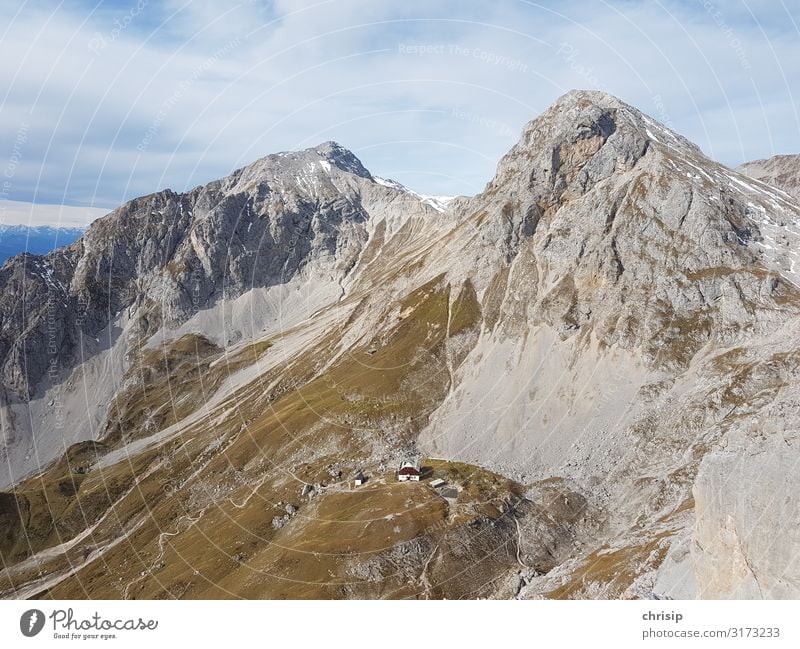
(439,203)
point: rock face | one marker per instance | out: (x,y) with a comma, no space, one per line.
(781,171)
(611,325)
(167,255)
(291,221)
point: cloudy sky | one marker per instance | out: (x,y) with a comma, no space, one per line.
(104,101)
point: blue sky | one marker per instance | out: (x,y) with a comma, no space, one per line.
(104,101)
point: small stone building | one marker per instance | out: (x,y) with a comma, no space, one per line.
(409,470)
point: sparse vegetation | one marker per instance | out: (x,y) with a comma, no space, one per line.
(465,310)
(611,571)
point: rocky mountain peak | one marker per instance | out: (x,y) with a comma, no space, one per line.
(286,217)
(289,168)
(582,110)
(342,158)
(583,138)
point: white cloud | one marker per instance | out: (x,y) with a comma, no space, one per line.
(56,216)
(188,91)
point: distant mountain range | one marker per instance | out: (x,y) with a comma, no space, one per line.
(41,240)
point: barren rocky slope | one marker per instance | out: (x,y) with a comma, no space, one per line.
(781,171)
(600,348)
